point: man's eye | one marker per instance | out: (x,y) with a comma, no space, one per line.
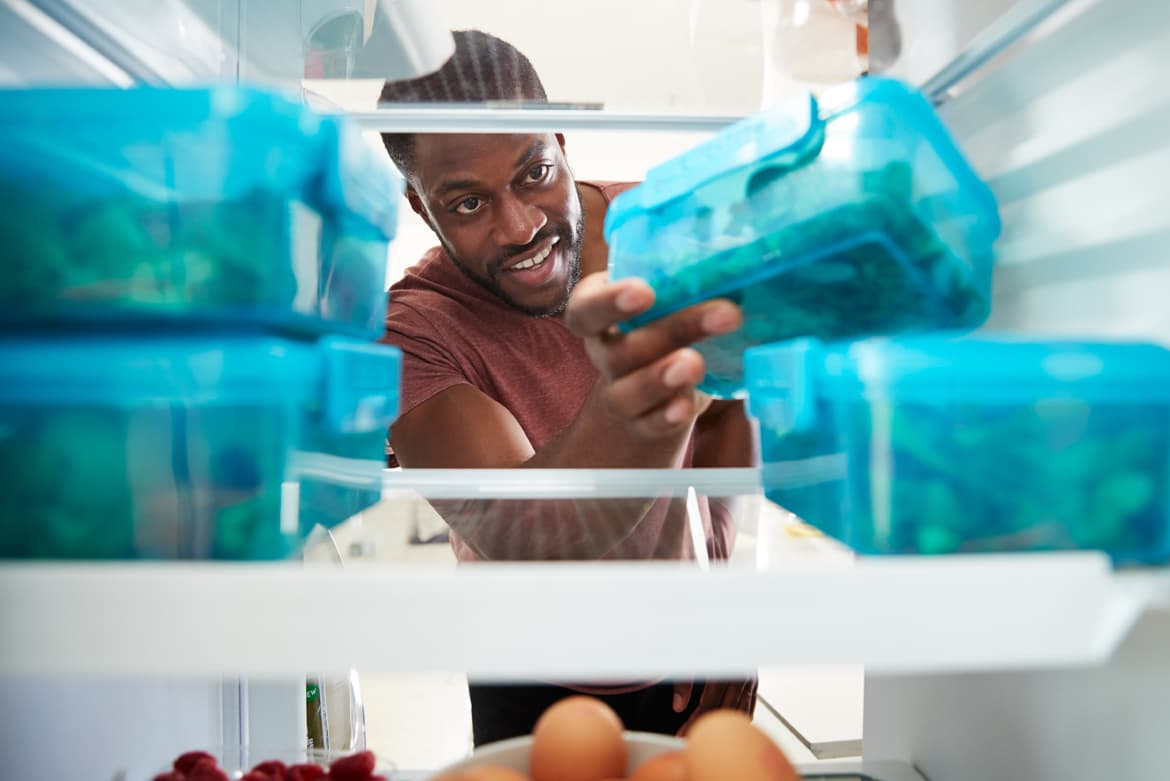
(468,205)
(538,172)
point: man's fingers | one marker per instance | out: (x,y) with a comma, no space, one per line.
(673,417)
(626,352)
(597,304)
(642,390)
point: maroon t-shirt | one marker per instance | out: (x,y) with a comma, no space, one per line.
(452,331)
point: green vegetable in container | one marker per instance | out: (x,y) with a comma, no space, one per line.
(815,263)
(67,492)
(1058,474)
(136,253)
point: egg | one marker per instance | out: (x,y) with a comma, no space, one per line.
(671,766)
(577,739)
(724,744)
(492,773)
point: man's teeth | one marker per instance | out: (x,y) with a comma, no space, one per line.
(534,261)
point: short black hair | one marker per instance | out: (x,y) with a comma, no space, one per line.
(483,69)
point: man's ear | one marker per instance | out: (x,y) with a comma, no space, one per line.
(416,205)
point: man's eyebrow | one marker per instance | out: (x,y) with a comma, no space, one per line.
(529,153)
(457,184)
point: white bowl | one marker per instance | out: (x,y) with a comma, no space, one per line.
(513,753)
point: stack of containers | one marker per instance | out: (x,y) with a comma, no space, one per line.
(192,284)
(835,221)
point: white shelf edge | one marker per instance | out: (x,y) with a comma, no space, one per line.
(571,483)
(398,119)
(566,621)
(879,770)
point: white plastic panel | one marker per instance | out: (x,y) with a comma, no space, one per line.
(1071,132)
(1107,722)
(934,32)
(116,728)
(891,615)
(36,50)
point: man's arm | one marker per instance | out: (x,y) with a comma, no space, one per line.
(724,436)
(639,414)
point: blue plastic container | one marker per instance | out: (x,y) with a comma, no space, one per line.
(956,445)
(210,206)
(208,447)
(855,215)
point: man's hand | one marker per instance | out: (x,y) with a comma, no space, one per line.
(648,376)
(740,695)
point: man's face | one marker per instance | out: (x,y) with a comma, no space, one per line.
(506,209)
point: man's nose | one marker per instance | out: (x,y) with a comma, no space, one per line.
(517,222)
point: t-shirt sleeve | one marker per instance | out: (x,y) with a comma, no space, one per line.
(430,365)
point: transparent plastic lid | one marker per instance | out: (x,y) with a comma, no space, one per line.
(992,368)
(354,383)
(215,143)
(791,132)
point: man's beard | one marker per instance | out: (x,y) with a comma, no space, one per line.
(572,247)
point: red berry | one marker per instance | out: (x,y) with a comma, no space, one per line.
(257,775)
(355,767)
(273,767)
(304,773)
(207,770)
(187,761)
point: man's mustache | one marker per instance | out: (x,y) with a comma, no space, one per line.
(511,253)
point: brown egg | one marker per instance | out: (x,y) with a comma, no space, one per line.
(577,739)
(724,744)
(492,773)
(671,766)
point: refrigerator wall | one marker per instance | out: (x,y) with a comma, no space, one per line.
(1070,129)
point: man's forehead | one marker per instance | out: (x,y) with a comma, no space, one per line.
(445,157)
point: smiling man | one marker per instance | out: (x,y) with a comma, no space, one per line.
(511,360)
(517,232)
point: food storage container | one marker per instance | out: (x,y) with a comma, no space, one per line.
(944,444)
(223,447)
(180,206)
(851,215)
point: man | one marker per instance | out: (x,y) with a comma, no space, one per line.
(511,360)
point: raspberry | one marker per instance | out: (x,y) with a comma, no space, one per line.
(356,767)
(273,767)
(304,773)
(207,769)
(186,762)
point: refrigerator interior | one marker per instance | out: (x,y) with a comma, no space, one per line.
(1015,666)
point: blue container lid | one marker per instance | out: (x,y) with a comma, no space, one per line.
(914,111)
(797,129)
(937,369)
(793,131)
(362,180)
(353,383)
(212,143)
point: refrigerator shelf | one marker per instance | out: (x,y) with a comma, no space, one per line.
(607,620)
